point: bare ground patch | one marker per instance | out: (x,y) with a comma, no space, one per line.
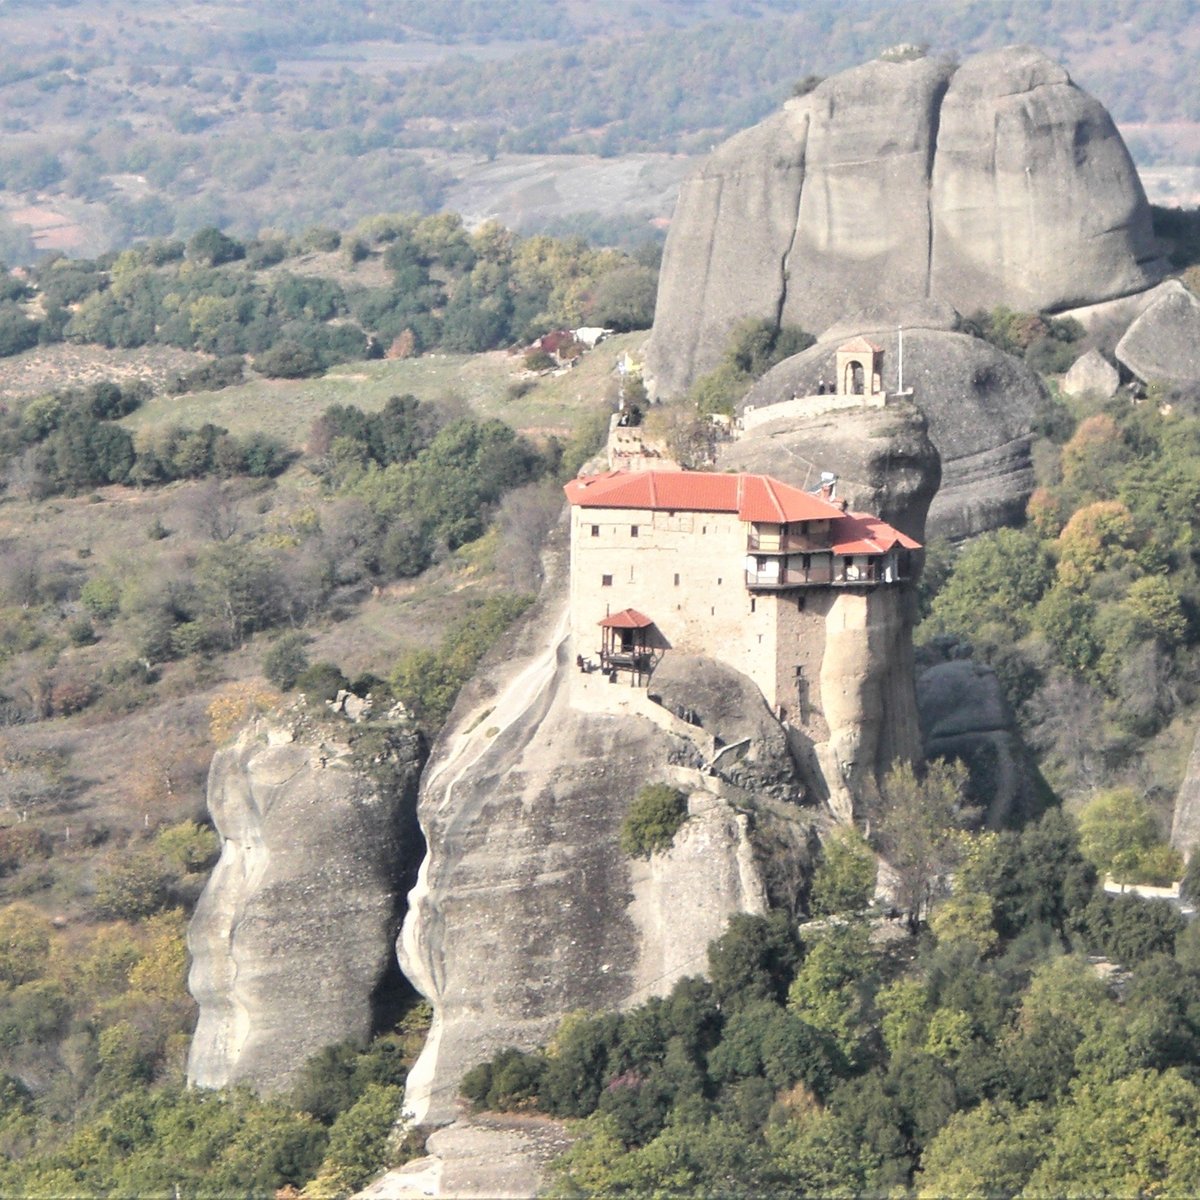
(64,365)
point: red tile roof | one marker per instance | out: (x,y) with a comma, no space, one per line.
(757,498)
(861,533)
(627,618)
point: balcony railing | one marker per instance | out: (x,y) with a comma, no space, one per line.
(841,577)
(792,543)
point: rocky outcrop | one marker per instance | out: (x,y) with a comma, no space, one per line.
(485,1156)
(964,715)
(1034,200)
(1164,342)
(999,182)
(1092,373)
(883,458)
(292,940)
(526,908)
(749,747)
(979,404)
(1185,825)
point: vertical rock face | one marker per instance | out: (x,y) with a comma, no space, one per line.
(730,238)
(866,689)
(1035,201)
(1185,826)
(292,940)
(526,908)
(863,224)
(998,182)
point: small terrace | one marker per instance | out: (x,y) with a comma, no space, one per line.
(825,575)
(786,543)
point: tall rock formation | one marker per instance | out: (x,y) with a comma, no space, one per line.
(526,908)
(965,716)
(292,941)
(996,182)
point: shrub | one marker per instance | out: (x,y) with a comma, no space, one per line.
(72,695)
(133,887)
(24,943)
(81,633)
(286,661)
(653,819)
(322,681)
(101,597)
(189,846)
(288,360)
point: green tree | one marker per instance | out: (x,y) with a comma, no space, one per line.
(653,819)
(987,1153)
(831,991)
(286,660)
(996,580)
(1116,828)
(754,959)
(358,1143)
(212,247)
(844,879)
(966,917)
(1139,1136)
(920,829)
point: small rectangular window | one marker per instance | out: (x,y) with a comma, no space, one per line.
(753,602)
(633,531)
(676,580)
(718,581)
(606,581)
(595,531)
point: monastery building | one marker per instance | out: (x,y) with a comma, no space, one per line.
(740,568)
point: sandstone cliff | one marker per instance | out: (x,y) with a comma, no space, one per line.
(292,940)
(997,182)
(884,458)
(526,908)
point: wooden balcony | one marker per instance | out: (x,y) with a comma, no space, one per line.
(792,543)
(795,577)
